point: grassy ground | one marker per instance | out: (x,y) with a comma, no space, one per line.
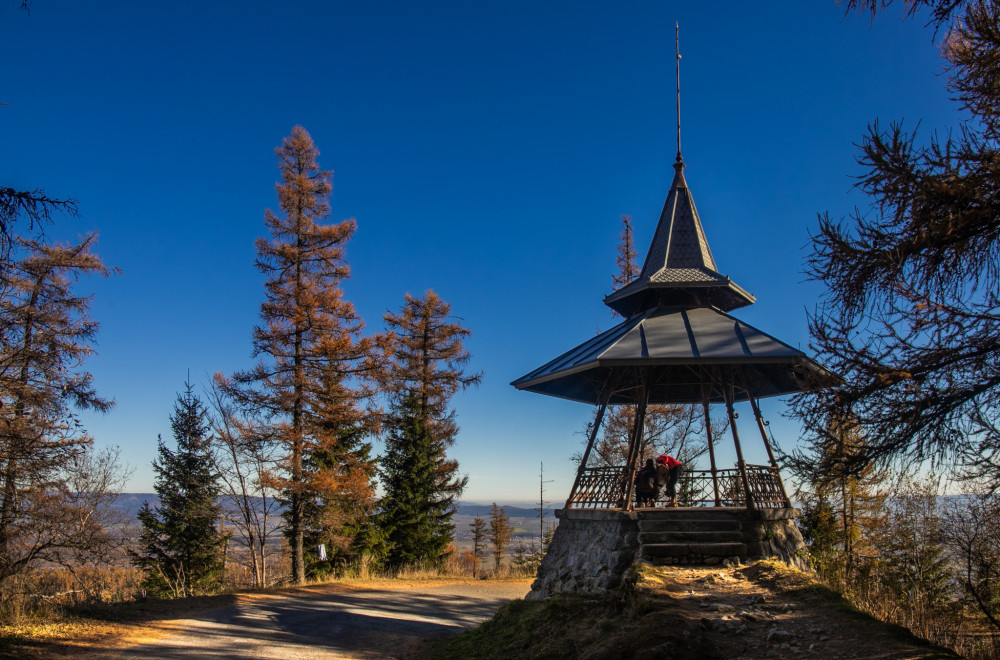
(764,610)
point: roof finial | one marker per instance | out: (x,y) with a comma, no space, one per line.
(677,35)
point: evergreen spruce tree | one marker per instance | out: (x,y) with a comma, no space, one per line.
(181,544)
(421,482)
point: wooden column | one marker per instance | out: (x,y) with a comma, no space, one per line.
(740,463)
(711,447)
(633,448)
(767,445)
(586,453)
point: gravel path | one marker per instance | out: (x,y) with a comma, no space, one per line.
(331,622)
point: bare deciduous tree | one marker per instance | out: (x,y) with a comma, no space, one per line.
(245,457)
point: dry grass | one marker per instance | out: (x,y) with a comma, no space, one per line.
(692,613)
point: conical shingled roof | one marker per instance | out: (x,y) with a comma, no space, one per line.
(679,269)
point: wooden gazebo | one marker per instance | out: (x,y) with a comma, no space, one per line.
(679,344)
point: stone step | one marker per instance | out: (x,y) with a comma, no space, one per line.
(702,525)
(675,536)
(664,550)
(688,513)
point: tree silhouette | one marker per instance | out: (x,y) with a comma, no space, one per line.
(911,318)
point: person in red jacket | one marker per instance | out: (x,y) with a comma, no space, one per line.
(668,471)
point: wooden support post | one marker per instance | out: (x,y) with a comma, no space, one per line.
(586,453)
(767,446)
(740,463)
(711,447)
(633,449)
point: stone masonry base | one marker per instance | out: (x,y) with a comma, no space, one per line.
(592,550)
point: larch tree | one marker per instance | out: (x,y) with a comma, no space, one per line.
(181,544)
(341,470)
(628,268)
(426,368)
(46,334)
(309,341)
(911,318)
(500,534)
(843,509)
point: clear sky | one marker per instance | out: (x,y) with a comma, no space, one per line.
(487,151)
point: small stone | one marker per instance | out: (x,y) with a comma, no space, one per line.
(824,638)
(724,607)
(757,599)
(777,635)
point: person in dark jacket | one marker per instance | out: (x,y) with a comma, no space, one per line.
(647,488)
(668,471)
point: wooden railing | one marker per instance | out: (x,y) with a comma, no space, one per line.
(604,488)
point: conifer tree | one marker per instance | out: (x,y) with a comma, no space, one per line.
(421,483)
(478,543)
(910,319)
(309,342)
(181,543)
(340,471)
(500,534)
(45,336)
(628,269)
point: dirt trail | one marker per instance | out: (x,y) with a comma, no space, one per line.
(379,620)
(764,611)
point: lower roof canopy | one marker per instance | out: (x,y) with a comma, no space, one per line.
(683,356)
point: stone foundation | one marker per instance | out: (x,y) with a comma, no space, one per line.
(592,550)
(589,553)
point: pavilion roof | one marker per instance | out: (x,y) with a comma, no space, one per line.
(679,267)
(680,352)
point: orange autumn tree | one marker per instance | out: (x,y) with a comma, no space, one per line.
(55,490)
(308,386)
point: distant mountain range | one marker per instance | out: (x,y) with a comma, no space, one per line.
(523,518)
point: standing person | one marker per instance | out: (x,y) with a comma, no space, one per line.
(668,471)
(647,488)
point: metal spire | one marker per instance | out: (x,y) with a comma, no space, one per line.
(677,36)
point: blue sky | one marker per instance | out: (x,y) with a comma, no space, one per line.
(487,151)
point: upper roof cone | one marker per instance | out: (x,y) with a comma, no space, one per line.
(679,269)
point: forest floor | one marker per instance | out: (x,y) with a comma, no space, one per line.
(764,610)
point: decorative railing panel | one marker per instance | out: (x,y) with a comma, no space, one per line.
(600,488)
(604,488)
